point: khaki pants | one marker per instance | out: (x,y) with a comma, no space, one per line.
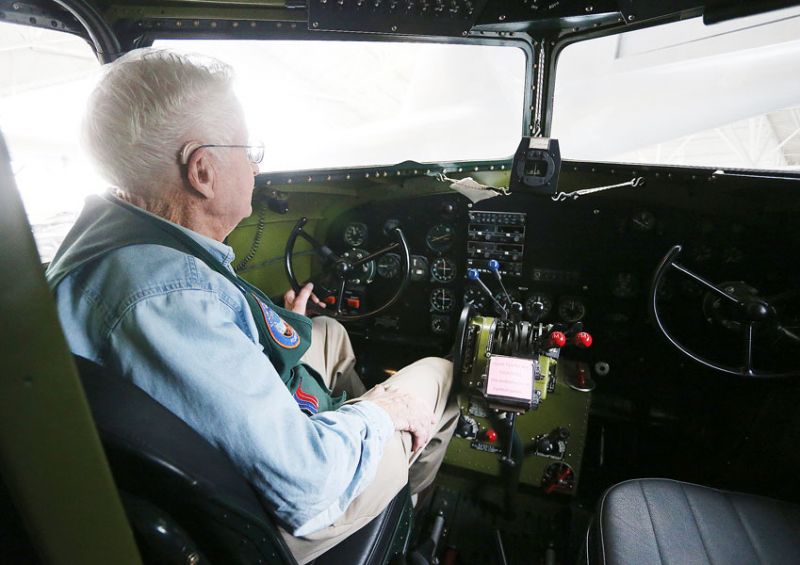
(332,356)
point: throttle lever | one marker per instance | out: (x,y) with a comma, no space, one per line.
(494,266)
(474,275)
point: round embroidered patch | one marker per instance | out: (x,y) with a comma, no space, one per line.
(282,333)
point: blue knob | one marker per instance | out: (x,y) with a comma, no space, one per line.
(494,266)
(473,275)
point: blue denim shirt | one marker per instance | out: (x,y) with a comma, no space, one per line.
(186,336)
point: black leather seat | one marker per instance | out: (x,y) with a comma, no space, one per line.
(184,496)
(661,521)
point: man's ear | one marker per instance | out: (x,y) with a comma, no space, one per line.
(200,171)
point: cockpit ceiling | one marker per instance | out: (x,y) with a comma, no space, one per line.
(419,17)
(453,18)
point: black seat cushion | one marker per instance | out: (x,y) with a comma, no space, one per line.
(385,537)
(661,521)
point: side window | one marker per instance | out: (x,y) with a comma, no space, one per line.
(722,95)
(45,78)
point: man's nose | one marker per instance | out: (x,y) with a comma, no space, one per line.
(254,166)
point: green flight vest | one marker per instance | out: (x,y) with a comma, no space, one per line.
(108,223)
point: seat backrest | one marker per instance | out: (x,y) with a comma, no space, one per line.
(159,459)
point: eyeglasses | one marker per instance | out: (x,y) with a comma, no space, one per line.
(255,152)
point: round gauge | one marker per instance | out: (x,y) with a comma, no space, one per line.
(440,237)
(538,305)
(440,324)
(355,234)
(501,298)
(571,310)
(364,273)
(442,300)
(476,296)
(643,221)
(389,265)
(443,270)
(419,268)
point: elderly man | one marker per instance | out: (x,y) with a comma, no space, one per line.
(144,286)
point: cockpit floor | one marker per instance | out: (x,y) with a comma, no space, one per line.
(486,524)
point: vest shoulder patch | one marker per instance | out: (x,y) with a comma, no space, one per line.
(279,329)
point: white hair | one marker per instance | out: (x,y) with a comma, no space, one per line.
(147,106)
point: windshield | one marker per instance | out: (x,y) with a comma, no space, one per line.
(325,104)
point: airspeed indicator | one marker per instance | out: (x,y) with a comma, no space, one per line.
(440,237)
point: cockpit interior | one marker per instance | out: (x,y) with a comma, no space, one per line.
(586,206)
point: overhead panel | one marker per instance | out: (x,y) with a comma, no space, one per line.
(562,12)
(412,17)
(526,10)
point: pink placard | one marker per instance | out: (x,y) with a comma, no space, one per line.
(510,377)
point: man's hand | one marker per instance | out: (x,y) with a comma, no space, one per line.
(297,302)
(408,412)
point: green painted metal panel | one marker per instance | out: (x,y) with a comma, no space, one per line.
(51,458)
(564,407)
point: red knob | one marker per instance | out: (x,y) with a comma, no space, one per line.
(558,339)
(490,435)
(582,340)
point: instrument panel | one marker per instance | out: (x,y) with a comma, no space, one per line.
(587,261)
(447,236)
(591,261)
